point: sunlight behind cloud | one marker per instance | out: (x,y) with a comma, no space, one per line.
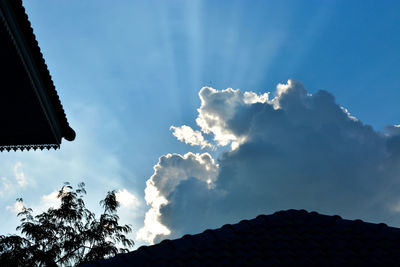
(219,108)
(296,144)
(152,226)
(186,134)
(170,171)
(121,110)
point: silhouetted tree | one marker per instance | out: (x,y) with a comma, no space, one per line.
(67,235)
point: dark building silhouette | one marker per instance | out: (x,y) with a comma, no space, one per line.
(31,114)
(285,238)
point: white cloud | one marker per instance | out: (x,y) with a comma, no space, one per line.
(152,225)
(252,98)
(19,175)
(170,171)
(189,136)
(217,110)
(127,199)
(297,150)
(348,114)
(50,201)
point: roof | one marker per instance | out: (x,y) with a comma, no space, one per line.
(31,114)
(285,238)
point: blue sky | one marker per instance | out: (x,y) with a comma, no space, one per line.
(128,71)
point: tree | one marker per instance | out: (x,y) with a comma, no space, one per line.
(67,235)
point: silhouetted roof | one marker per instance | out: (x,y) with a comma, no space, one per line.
(292,237)
(31,114)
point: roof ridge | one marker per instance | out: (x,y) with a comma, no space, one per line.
(284,237)
(282,214)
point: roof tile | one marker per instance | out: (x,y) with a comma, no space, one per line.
(292,237)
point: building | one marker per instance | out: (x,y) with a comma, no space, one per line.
(31,114)
(285,238)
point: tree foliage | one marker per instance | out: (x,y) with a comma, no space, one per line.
(67,235)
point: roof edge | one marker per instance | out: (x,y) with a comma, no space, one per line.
(29,147)
(17,22)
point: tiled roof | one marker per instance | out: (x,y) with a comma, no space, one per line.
(285,238)
(15,20)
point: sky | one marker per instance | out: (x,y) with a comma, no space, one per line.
(203,113)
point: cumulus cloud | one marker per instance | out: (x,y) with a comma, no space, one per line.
(294,150)
(189,136)
(217,110)
(127,199)
(170,171)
